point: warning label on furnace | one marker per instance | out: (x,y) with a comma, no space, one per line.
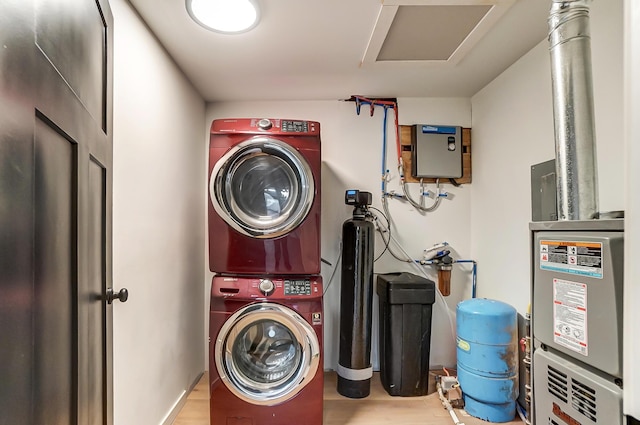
(581,258)
(570,315)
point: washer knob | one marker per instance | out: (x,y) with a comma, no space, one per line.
(265,124)
(267,287)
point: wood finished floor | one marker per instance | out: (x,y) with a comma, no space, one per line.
(377,409)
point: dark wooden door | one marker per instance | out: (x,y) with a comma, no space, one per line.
(55,212)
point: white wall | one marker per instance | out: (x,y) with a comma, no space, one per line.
(632,236)
(513,129)
(158,230)
(351,155)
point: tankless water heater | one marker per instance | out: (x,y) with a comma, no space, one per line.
(436,151)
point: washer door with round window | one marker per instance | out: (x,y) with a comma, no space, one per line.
(266,353)
(262,188)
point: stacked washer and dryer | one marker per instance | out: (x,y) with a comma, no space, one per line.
(265,348)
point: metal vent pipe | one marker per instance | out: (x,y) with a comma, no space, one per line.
(576,167)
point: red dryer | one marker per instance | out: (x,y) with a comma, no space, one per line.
(264,197)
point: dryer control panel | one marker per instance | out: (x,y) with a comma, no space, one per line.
(266,126)
(295,126)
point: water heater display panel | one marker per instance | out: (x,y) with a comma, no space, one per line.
(436,151)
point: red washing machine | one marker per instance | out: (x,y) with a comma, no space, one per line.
(264,197)
(265,351)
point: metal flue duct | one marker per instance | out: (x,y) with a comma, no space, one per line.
(576,167)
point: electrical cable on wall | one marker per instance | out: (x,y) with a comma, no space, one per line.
(335,268)
(386,242)
(385,230)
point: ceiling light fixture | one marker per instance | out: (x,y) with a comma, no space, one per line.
(224,16)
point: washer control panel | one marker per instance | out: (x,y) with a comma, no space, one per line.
(297,287)
(272,287)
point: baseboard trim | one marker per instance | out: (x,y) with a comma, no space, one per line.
(180,402)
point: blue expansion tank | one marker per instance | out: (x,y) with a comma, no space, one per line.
(488,358)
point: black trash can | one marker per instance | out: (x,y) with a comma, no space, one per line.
(405,332)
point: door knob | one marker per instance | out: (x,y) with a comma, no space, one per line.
(122,295)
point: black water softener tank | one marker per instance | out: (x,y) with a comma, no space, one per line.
(356,299)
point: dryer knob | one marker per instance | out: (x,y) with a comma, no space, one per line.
(267,287)
(265,124)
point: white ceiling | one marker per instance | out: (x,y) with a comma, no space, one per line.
(313,50)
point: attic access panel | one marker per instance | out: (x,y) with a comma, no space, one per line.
(430,31)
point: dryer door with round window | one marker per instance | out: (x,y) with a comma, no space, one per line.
(262,187)
(266,353)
